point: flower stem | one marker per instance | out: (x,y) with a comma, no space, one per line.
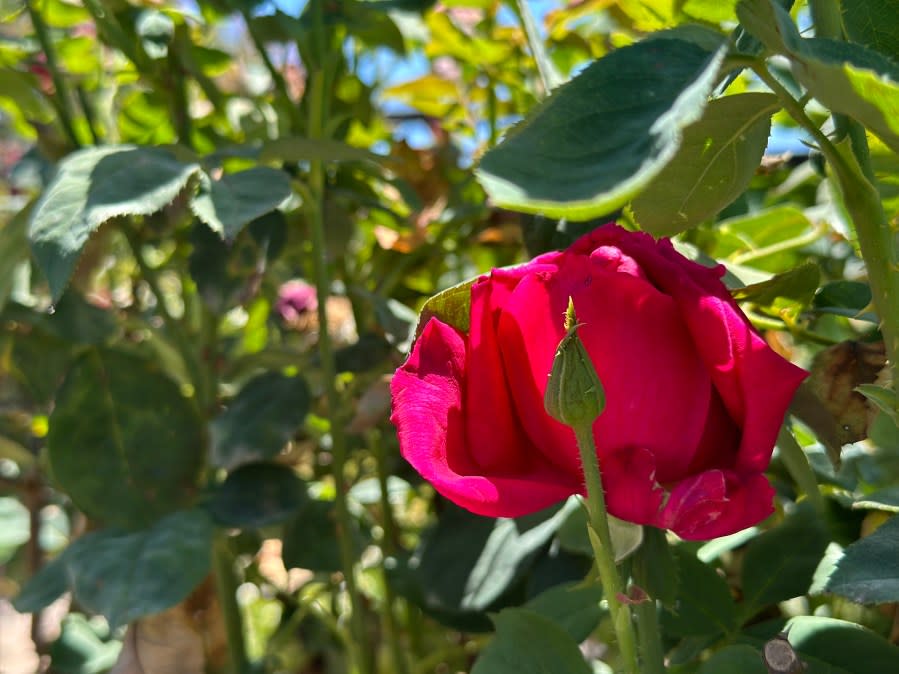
(601,540)
(652,657)
(316,109)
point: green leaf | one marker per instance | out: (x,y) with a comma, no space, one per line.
(528,643)
(798,284)
(573,536)
(451,306)
(868,572)
(602,137)
(654,567)
(93,186)
(573,607)
(300,148)
(257,495)
(844,298)
(717,158)
(260,420)
(847,78)
(310,539)
(468,561)
(124,576)
(704,604)
(780,564)
(230,204)
(124,444)
(874,24)
(737,659)
(830,646)
(13,251)
(886,399)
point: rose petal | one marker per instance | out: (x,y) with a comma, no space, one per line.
(427,411)
(629,481)
(716,503)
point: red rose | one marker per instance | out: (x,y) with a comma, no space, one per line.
(694,396)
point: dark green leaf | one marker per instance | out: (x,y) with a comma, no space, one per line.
(717,158)
(124,444)
(654,567)
(260,420)
(257,495)
(844,298)
(93,186)
(704,604)
(564,161)
(527,643)
(886,499)
(738,659)
(874,24)
(230,204)
(830,646)
(573,607)
(468,561)
(868,572)
(886,399)
(124,576)
(310,538)
(780,563)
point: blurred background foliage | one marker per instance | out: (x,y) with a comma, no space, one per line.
(169,430)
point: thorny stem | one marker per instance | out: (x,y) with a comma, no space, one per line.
(317,108)
(601,540)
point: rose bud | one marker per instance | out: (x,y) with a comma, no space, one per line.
(694,395)
(574,394)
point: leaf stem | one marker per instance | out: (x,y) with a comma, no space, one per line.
(62,98)
(314,208)
(601,540)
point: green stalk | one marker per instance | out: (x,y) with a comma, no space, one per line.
(877,238)
(317,109)
(226,591)
(796,461)
(388,550)
(652,657)
(601,540)
(62,98)
(548,74)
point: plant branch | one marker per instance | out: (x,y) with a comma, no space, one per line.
(548,75)
(314,208)
(62,98)
(226,591)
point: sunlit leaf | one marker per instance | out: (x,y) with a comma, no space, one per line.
(599,139)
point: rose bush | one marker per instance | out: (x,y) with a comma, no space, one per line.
(695,397)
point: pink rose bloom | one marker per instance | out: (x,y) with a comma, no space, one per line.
(295,299)
(694,396)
